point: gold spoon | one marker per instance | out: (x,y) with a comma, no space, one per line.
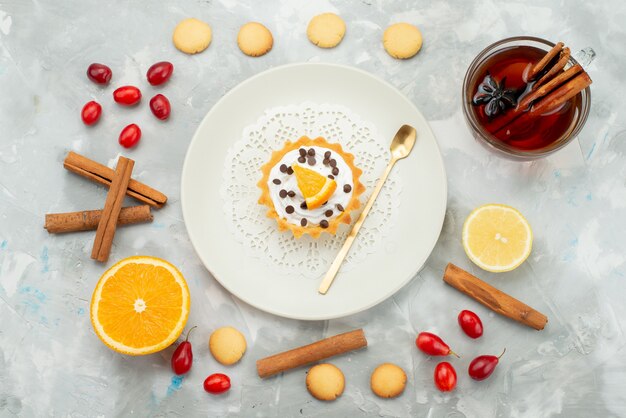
(401,147)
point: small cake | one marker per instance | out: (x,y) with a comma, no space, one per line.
(310,186)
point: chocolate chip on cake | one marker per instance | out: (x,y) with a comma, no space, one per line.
(302,152)
(330,176)
(283,168)
(303,205)
(335,171)
(283,193)
(347,188)
(333,163)
(303,221)
(291,193)
(311,152)
(328,213)
(301,160)
(339,207)
(289,170)
(311,161)
(289,209)
(327,155)
(324,223)
(276,181)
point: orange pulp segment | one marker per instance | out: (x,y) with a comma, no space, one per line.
(315,188)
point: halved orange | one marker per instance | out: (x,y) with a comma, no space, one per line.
(140,305)
(315,188)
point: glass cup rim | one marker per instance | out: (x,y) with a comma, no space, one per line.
(499,146)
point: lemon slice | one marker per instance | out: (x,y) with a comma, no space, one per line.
(497,238)
(315,188)
(140,305)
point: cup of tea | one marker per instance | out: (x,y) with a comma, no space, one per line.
(525,97)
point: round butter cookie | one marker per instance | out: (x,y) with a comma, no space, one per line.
(254,39)
(326,30)
(402,40)
(192,36)
(388,380)
(227,345)
(325,382)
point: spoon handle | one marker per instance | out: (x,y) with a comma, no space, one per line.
(343,252)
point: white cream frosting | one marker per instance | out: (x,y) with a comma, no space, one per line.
(288,182)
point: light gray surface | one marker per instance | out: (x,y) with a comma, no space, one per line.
(51,362)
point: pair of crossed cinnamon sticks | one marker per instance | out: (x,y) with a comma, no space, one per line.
(105,221)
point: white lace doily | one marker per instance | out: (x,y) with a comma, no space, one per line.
(259,234)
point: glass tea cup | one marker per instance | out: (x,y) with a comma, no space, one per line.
(509,57)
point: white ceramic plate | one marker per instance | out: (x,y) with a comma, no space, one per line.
(410,241)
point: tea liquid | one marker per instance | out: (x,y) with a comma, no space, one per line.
(514,63)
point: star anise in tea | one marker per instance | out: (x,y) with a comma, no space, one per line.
(495,96)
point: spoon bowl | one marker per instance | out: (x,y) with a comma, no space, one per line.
(403,142)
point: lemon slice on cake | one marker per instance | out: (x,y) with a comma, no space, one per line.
(497,238)
(315,188)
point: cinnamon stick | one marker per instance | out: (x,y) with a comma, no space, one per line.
(59,223)
(102,174)
(545,61)
(555,69)
(493,298)
(319,350)
(554,100)
(544,89)
(110,213)
(562,94)
(527,100)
